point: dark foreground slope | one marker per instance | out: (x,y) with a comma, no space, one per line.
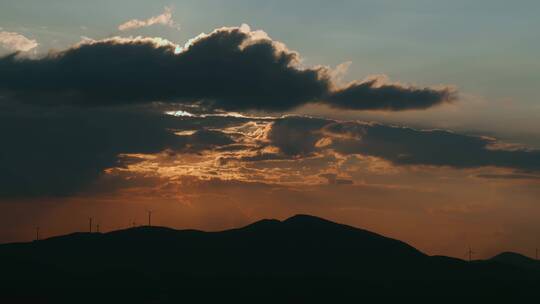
(301,258)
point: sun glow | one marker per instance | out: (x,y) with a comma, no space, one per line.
(179,113)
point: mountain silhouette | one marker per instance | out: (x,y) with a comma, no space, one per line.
(516,259)
(301,258)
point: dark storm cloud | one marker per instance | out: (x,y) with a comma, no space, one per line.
(60,151)
(403,146)
(374,95)
(230,69)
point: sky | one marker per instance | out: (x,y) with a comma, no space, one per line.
(416,119)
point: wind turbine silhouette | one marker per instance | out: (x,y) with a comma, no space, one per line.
(470,253)
(149,217)
(90,224)
(37,233)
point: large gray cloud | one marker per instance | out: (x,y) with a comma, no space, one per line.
(303,136)
(230,69)
(62,150)
(68,116)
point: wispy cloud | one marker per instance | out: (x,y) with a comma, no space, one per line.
(16,42)
(164,19)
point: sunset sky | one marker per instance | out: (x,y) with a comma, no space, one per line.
(419,120)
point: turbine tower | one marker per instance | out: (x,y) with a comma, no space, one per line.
(470,253)
(90,224)
(37,233)
(150,218)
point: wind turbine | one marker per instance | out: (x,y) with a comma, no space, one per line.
(149,217)
(470,253)
(90,224)
(37,233)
